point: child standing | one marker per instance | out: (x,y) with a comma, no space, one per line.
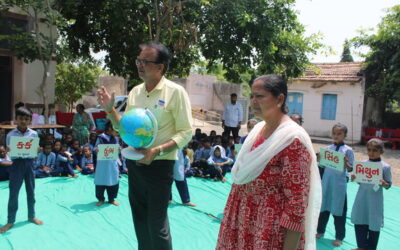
(217,161)
(367,212)
(106,176)
(87,163)
(334,186)
(21,170)
(46,161)
(180,167)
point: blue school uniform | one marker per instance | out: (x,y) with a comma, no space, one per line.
(202,153)
(44,160)
(84,162)
(76,157)
(21,170)
(181,165)
(4,175)
(334,183)
(107,171)
(63,166)
(368,205)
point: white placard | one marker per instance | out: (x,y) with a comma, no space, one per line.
(368,172)
(332,159)
(108,152)
(24,147)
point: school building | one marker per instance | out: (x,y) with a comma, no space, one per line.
(329,93)
(20,81)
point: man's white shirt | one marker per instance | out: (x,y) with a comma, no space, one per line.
(233,114)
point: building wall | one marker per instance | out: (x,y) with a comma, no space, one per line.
(200,90)
(349,107)
(27,79)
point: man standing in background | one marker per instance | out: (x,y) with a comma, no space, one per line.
(232,117)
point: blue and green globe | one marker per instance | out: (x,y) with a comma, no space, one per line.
(138,128)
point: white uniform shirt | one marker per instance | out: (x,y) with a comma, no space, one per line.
(233,114)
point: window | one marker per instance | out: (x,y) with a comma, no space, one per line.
(329,107)
(295,103)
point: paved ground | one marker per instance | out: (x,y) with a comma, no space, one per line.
(390,156)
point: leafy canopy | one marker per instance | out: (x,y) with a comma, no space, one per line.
(244,36)
(383,61)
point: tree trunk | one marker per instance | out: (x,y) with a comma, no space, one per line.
(374,111)
(43,90)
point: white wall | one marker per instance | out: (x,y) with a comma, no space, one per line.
(349,108)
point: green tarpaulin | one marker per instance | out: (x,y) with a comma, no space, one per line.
(72,221)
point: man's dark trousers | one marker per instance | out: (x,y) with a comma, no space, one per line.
(149,192)
(235,131)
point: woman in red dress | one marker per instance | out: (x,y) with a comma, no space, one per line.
(276,196)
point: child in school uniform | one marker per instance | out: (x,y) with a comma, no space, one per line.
(64,162)
(87,162)
(217,161)
(20,171)
(201,156)
(107,171)
(180,166)
(45,162)
(5,163)
(334,186)
(367,212)
(76,154)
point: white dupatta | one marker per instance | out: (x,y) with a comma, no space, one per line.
(250,164)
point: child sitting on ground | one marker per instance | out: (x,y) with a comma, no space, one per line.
(76,154)
(64,162)
(45,162)
(87,163)
(216,161)
(5,163)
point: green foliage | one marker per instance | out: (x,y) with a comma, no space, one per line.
(243,36)
(75,80)
(346,54)
(382,63)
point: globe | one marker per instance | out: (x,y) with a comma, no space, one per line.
(138,128)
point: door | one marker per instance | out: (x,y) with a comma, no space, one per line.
(6,88)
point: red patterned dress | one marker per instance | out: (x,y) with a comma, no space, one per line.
(258,213)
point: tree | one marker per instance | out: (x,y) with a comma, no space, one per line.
(382,62)
(38,43)
(346,54)
(73,80)
(251,36)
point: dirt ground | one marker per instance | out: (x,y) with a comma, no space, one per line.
(390,156)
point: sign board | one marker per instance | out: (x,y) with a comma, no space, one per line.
(368,172)
(108,152)
(24,147)
(332,159)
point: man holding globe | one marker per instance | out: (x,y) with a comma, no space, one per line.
(150,178)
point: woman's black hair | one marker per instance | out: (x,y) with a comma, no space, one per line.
(276,85)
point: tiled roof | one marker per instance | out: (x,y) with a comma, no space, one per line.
(339,72)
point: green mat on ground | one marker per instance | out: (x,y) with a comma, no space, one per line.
(72,221)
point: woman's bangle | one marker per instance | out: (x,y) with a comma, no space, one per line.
(110,111)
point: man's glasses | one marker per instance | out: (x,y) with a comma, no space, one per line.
(144,62)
